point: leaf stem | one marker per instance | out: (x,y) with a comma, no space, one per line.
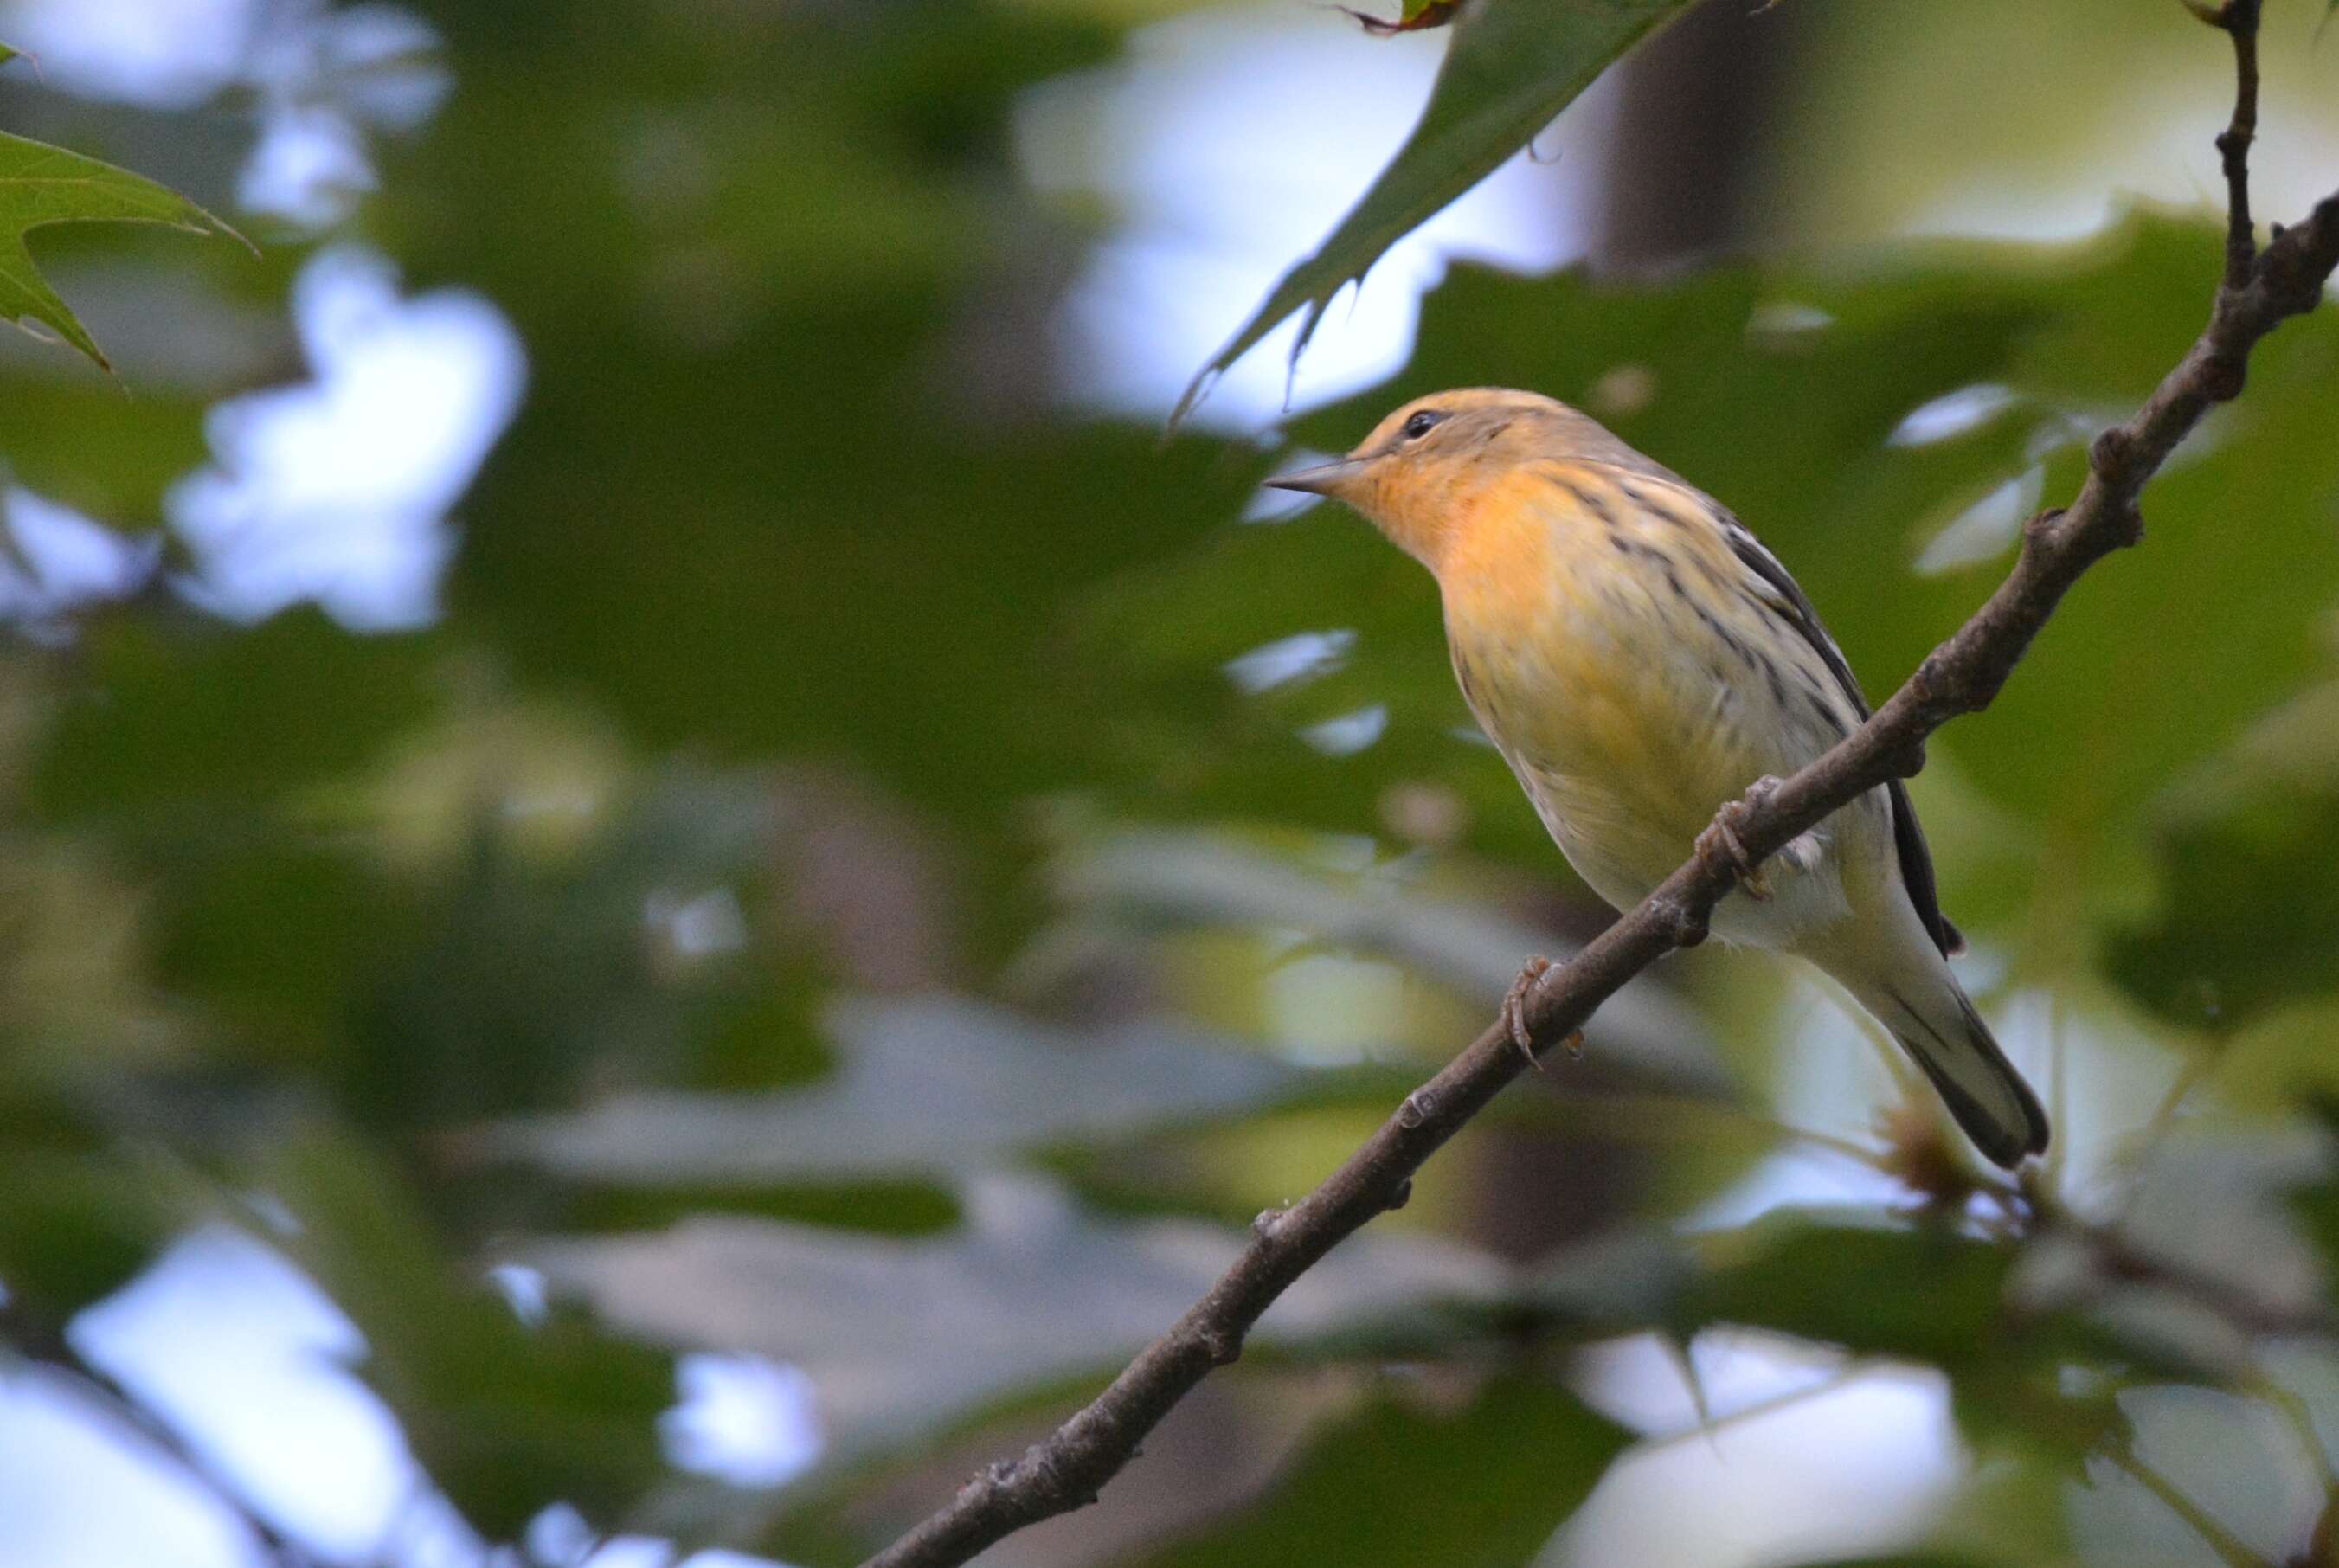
(2228,1546)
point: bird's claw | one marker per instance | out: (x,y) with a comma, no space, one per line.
(1515,1011)
(1719,842)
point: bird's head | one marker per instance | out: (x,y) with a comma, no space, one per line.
(1416,476)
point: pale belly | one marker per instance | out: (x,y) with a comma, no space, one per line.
(1622,853)
(1629,758)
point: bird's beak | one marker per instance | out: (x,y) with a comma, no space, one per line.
(1323,479)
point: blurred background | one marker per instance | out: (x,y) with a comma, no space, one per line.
(667,877)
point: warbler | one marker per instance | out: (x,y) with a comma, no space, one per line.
(1640,660)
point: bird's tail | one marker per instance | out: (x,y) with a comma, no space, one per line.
(1929,1014)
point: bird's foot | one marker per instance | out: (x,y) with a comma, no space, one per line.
(1719,845)
(1514,1013)
(1719,842)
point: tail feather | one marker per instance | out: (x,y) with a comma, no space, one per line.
(1907,987)
(1946,1037)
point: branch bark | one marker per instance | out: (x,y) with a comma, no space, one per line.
(2260,290)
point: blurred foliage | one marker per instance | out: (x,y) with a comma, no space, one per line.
(823,886)
(1486,1483)
(507,1415)
(1515,64)
(40,186)
(2250,838)
(2098,96)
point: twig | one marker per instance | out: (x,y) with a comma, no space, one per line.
(2122,1260)
(2157,1126)
(2229,1547)
(1712,1426)
(2296,1411)
(2239,18)
(1064,1471)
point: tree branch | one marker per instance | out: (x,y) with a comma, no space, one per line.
(2239,18)
(2260,291)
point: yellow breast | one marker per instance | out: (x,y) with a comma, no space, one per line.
(1582,663)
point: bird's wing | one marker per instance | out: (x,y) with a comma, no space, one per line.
(1783,594)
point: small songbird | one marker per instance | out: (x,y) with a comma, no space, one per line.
(1640,661)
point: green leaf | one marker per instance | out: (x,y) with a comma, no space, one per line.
(168,721)
(1922,1292)
(928,1086)
(905,1336)
(2280,1061)
(2248,915)
(1399,1485)
(78,442)
(893,1207)
(79,1223)
(1913,1288)
(42,184)
(1513,65)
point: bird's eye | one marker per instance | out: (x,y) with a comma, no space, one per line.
(1422,423)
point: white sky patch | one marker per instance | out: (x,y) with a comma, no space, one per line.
(309,167)
(1952,414)
(558,1535)
(1288,659)
(2158,150)
(247,1359)
(1231,142)
(337,489)
(703,926)
(163,53)
(323,85)
(1847,1471)
(743,1419)
(1351,732)
(77,1491)
(632,1552)
(1797,1174)
(63,561)
(1272,506)
(1986,529)
(320,77)
(523,1290)
(1638,1381)
(427,1532)
(1787,319)
(273,1212)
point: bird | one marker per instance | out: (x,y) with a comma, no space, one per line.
(1640,661)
